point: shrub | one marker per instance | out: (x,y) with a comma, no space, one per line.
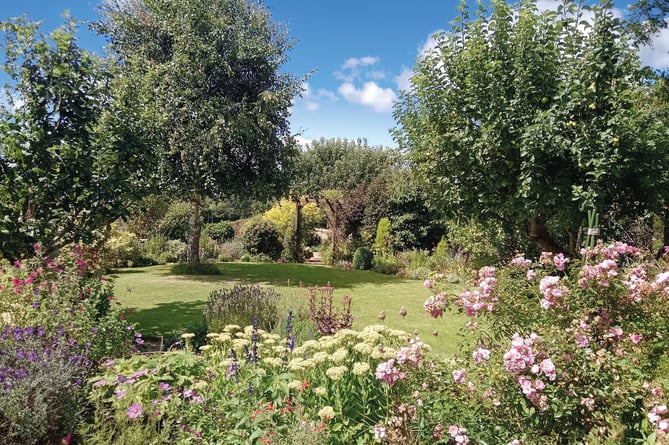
(209,248)
(572,344)
(242,305)
(362,258)
(231,251)
(386,264)
(175,223)
(323,313)
(220,231)
(383,242)
(42,391)
(260,236)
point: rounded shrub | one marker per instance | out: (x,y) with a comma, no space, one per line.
(220,231)
(362,258)
(260,236)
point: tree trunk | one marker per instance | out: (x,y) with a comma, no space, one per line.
(195,229)
(537,232)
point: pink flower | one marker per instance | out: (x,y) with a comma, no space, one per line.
(481,354)
(636,338)
(435,305)
(548,368)
(582,341)
(616,331)
(459,375)
(560,261)
(379,432)
(458,434)
(387,372)
(427,284)
(134,411)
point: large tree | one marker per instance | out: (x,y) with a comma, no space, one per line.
(530,119)
(74,141)
(215,66)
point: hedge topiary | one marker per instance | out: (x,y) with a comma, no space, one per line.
(362,258)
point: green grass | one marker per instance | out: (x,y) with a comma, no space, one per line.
(164,302)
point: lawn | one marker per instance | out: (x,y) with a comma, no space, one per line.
(164,302)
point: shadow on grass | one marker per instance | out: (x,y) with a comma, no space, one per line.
(168,318)
(277,274)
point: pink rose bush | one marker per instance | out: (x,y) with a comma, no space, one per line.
(575,344)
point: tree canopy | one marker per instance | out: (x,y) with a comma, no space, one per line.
(530,119)
(222,98)
(74,142)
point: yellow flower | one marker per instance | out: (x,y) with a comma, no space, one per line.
(360,368)
(339,355)
(327,412)
(320,391)
(231,327)
(294,384)
(320,357)
(205,348)
(363,348)
(187,335)
(272,361)
(336,372)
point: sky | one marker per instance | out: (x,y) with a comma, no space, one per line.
(355,56)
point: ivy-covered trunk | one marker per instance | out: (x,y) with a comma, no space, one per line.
(194,230)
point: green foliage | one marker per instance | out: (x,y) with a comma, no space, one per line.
(232,81)
(174,225)
(75,147)
(282,216)
(529,119)
(341,164)
(259,236)
(220,231)
(383,243)
(386,263)
(240,306)
(478,244)
(362,258)
(231,251)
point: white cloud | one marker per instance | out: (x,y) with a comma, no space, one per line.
(657,53)
(301,140)
(430,43)
(354,62)
(403,81)
(312,100)
(371,95)
(376,75)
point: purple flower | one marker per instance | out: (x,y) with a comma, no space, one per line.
(120,393)
(134,411)
(164,386)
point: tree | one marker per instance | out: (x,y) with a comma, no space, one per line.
(530,119)
(74,141)
(341,164)
(647,18)
(215,67)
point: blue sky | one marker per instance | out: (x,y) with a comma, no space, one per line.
(359,53)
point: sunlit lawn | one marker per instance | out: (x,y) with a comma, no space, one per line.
(165,303)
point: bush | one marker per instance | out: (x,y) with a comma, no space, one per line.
(209,248)
(231,251)
(260,236)
(383,243)
(386,264)
(362,258)
(41,384)
(241,305)
(58,319)
(175,223)
(220,231)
